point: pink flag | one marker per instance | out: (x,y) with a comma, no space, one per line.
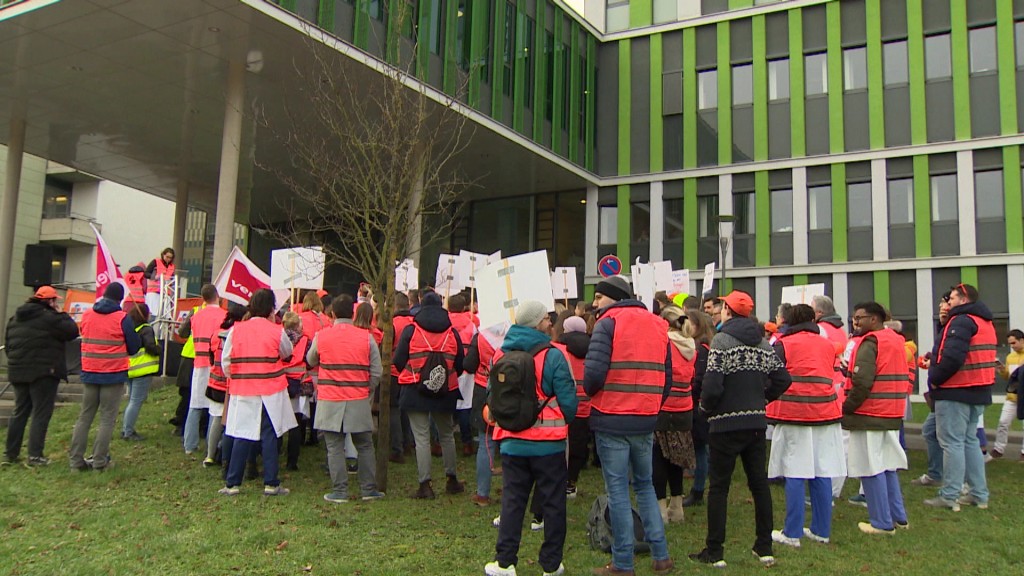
(106,269)
(240,278)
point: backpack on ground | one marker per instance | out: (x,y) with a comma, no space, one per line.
(512,389)
(435,373)
(599,527)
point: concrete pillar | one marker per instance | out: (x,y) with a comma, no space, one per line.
(414,238)
(230,152)
(9,211)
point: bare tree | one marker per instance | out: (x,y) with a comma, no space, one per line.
(372,154)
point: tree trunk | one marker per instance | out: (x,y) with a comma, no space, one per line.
(384,316)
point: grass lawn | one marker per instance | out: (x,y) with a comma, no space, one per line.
(158,512)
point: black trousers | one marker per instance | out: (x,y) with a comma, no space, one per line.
(579,438)
(750,447)
(665,472)
(520,475)
(184,382)
(35,399)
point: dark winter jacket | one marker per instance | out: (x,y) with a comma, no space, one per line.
(131,340)
(148,338)
(35,341)
(598,360)
(833,319)
(743,375)
(577,343)
(700,419)
(432,319)
(959,330)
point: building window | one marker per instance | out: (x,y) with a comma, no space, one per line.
(819,208)
(566,86)
(617,15)
(549,91)
(816,73)
(463,39)
(665,11)
(859,205)
(707,89)
(782,210)
(640,222)
(983,49)
(744,208)
(672,213)
(944,202)
(608,225)
(58,264)
(988,195)
(509,48)
(707,212)
(1018,34)
(901,201)
(937,63)
(778,79)
(527,55)
(742,84)
(436,12)
(377,9)
(855,68)
(894,55)
(56,199)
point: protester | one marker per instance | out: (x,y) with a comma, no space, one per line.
(313,320)
(294,370)
(161,268)
(699,326)
(398,421)
(478,362)
(35,340)
(205,324)
(216,391)
(141,367)
(933,475)
(673,444)
(1014,360)
(463,322)
(574,343)
(183,380)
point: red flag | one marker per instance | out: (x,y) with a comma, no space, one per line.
(240,278)
(107,271)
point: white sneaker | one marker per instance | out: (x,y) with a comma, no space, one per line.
(988,458)
(778,536)
(925,480)
(495,569)
(535,526)
(496,522)
(766,561)
(815,537)
(558,572)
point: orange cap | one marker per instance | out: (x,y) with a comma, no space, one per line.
(739,302)
(45,293)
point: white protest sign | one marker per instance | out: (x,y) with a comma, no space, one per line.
(297,268)
(494,257)
(709,279)
(406,276)
(681,281)
(505,284)
(563,284)
(801,294)
(448,280)
(469,263)
(643,283)
(662,276)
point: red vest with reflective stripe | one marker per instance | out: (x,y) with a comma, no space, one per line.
(295,368)
(680,398)
(838,339)
(344,371)
(463,324)
(103,347)
(217,379)
(979,368)
(888,396)
(576,365)
(205,325)
(812,397)
(486,353)
(256,366)
(167,271)
(550,425)
(312,322)
(421,345)
(400,323)
(636,374)
(136,288)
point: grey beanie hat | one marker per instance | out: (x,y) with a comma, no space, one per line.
(530,313)
(615,287)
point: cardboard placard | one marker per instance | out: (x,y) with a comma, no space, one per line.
(563,283)
(801,294)
(297,268)
(709,279)
(506,283)
(448,279)
(681,281)
(662,276)
(406,276)
(642,276)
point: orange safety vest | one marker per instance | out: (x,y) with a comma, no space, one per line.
(550,425)
(486,353)
(888,396)
(911,367)
(576,366)
(218,381)
(295,368)
(161,270)
(812,398)
(205,325)
(463,324)
(421,345)
(680,397)
(256,366)
(344,372)
(312,322)
(839,340)
(636,373)
(399,323)
(103,346)
(136,282)
(979,368)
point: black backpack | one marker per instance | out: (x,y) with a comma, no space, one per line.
(436,372)
(512,389)
(599,528)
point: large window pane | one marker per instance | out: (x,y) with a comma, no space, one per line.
(901,201)
(859,210)
(742,85)
(895,56)
(640,222)
(617,15)
(988,194)
(673,218)
(944,203)
(819,207)
(1018,34)
(778,79)
(608,225)
(855,68)
(707,89)
(983,49)
(816,73)
(435,26)
(782,210)
(707,211)
(937,57)
(665,11)
(743,208)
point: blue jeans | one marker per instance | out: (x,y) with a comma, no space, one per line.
(956,426)
(885,500)
(700,472)
(191,431)
(620,454)
(821,507)
(138,391)
(485,452)
(241,449)
(934,450)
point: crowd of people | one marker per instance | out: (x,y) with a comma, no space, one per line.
(689,388)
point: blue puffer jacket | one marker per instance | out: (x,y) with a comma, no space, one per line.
(959,331)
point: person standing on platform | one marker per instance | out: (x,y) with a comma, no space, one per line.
(159,269)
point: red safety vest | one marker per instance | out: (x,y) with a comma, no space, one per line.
(399,323)
(161,270)
(205,325)
(312,322)
(839,340)
(636,374)
(812,397)
(295,368)
(979,368)
(136,282)
(218,381)
(680,398)
(576,366)
(888,396)
(463,324)
(550,425)
(421,345)
(103,347)
(256,366)
(344,371)
(486,353)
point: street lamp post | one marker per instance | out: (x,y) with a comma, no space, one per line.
(725,222)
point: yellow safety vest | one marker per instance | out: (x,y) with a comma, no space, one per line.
(143,363)
(189,349)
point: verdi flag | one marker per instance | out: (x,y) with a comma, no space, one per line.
(240,278)
(107,271)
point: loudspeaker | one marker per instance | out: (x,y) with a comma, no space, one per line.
(38,265)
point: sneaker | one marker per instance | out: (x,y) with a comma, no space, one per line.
(7,460)
(496,522)
(694,498)
(867,528)
(229,491)
(34,461)
(134,437)
(858,500)
(370,496)
(926,480)
(558,571)
(495,569)
(903,525)
(940,502)
(209,463)
(966,500)
(352,465)
(704,557)
(766,560)
(275,491)
(480,501)
(335,498)
(778,536)
(536,525)
(814,537)
(988,458)
(995,454)
(570,491)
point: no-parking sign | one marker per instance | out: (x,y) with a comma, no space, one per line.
(610,265)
